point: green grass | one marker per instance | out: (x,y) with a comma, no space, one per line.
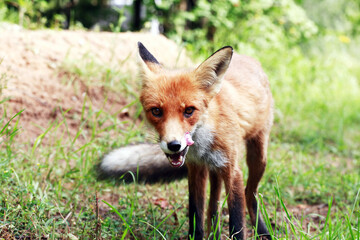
(49,189)
(87,70)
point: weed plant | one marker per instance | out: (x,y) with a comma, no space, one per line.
(311,188)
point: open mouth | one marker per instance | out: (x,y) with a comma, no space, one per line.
(177,159)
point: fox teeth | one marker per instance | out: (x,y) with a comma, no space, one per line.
(178,163)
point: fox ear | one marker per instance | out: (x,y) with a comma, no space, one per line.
(150,62)
(210,73)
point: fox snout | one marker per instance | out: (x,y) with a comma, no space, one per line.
(176,150)
(174,146)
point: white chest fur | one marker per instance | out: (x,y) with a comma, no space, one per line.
(202,152)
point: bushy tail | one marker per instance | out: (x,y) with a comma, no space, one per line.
(147,162)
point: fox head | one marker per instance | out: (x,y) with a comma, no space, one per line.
(175,102)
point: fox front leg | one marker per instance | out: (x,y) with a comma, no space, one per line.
(197,176)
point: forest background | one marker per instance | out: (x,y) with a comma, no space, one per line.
(310,52)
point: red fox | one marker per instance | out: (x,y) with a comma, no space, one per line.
(203,117)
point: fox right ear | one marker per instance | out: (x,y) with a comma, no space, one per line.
(148,59)
(212,70)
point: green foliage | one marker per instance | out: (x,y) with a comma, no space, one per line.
(34,14)
(116,27)
(27,13)
(225,22)
(340,16)
(309,49)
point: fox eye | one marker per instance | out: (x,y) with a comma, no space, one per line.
(189,112)
(156,112)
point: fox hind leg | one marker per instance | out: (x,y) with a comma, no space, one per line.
(236,202)
(256,149)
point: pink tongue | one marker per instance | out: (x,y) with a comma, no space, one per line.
(188,139)
(175,157)
(176,160)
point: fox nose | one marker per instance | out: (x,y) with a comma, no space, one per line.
(174,146)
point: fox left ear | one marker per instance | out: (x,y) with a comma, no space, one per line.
(150,61)
(211,71)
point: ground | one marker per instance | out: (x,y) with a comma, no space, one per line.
(48,74)
(34,79)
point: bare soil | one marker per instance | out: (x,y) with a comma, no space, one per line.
(31,76)
(31,79)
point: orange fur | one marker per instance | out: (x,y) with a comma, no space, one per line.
(233,106)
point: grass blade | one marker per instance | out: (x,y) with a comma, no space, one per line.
(122,218)
(155,229)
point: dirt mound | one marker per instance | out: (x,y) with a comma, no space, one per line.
(31,76)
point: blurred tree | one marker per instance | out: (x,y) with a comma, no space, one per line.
(264,23)
(137,24)
(62,13)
